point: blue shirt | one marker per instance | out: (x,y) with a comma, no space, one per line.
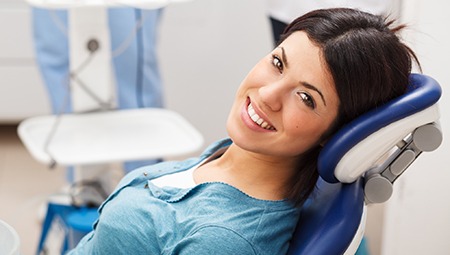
(209,218)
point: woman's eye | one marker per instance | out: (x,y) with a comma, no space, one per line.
(307,99)
(276,61)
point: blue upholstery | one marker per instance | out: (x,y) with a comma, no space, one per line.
(331,217)
(329,221)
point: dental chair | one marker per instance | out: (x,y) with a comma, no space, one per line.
(359,165)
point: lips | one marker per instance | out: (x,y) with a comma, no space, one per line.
(257,119)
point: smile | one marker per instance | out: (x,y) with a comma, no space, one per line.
(258,120)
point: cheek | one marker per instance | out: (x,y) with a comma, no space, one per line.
(305,129)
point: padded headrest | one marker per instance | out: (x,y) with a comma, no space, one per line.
(377,131)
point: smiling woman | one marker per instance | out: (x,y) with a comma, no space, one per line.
(297,99)
(243,195)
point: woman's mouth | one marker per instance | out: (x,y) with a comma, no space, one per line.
(257,119)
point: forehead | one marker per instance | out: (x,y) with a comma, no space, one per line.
(300,48)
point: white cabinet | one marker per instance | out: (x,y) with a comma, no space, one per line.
(22,93)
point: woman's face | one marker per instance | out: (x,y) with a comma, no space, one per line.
(286,102)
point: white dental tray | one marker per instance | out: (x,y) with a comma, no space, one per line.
(113,136)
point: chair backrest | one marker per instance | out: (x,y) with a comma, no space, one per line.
(381,143)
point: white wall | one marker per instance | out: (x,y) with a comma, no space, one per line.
(206,48)
(22,93)
(417,218)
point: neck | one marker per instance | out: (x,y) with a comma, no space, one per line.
(260,176)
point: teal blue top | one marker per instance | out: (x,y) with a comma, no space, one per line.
(209,218)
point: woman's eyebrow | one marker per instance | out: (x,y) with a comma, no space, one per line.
(283,57)
(312,87)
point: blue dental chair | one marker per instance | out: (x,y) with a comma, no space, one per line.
(359,165)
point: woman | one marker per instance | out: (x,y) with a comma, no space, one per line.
(245,193)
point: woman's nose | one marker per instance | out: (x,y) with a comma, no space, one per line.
(271,95)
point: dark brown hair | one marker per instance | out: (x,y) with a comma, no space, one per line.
(368,64)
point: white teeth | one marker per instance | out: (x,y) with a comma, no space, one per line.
(258,120)
(255,117)
(251,111)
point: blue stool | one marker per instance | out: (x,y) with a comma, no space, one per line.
(76,221)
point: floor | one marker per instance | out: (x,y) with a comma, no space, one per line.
(25,184)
